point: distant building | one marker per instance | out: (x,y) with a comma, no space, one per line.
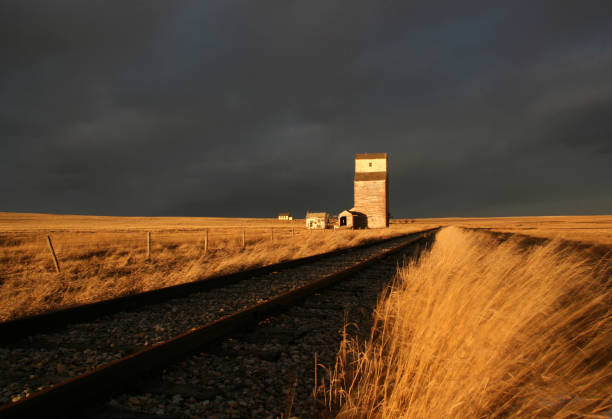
(351,219)
(285,216)
(317,220)
(371,188)
(371,194)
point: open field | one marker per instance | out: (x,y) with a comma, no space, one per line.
(482,328)
(29,222)
(594,229)
(105,257)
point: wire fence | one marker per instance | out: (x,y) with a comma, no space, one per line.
(48,251)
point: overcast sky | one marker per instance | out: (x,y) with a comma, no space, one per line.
(248,108)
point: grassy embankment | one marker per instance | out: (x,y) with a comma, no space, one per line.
(591,229)
(105,257)
(479,328)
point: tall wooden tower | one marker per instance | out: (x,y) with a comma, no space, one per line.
(372,188)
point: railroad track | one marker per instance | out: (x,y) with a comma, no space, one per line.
(106,354)
(16,329)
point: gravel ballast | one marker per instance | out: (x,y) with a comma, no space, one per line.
(252,375)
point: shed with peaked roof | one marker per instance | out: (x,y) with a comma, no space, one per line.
(351,219)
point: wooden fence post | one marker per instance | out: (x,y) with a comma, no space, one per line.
(271,234)
(205,240)
(243,238)
(57,268)
(292,232)
(148,245)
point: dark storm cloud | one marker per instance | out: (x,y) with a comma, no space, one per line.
(232,108)
(587,126)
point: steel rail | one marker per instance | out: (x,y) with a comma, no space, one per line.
(68,396)
(19,328)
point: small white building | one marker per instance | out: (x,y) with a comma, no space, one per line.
(285,216)
(317,220)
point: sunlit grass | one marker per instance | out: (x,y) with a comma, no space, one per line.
(479,328)
(99,263)
(592,229)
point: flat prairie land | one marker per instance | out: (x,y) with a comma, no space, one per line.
(30,222)
(590,229)
(106,257)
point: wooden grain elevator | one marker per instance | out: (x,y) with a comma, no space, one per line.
(371,188)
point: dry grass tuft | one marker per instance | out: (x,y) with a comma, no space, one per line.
(479,328)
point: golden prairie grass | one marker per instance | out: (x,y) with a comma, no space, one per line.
(105,257)
(592,229)
(479,328)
